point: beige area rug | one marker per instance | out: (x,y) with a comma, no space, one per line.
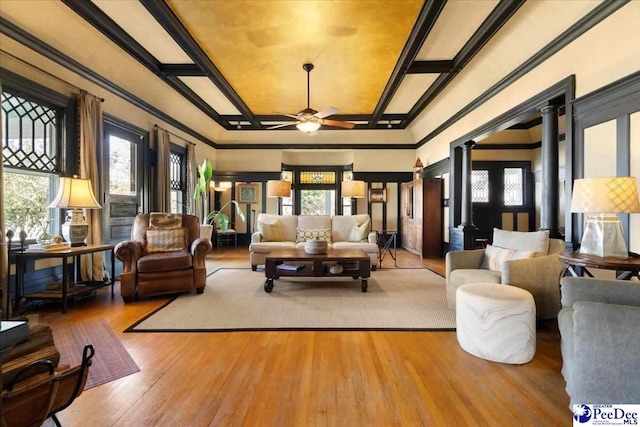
(235,300)
(111,361)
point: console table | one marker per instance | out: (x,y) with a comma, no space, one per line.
(65,292)
(629,267)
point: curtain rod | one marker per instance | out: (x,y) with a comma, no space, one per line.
(71,85)
(171,133)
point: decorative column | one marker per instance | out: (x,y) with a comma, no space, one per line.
(550,208)
(463,236)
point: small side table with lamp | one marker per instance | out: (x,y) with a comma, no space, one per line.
(603,244)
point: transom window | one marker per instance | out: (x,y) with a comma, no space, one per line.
(31,147)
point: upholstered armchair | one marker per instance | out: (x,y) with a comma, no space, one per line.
(527,260)
(165,255)
(600,340)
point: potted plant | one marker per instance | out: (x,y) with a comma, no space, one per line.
(211,219)
(205,172)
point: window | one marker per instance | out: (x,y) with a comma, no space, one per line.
(346,201)
(480,186)
(287,202)
(178,181)
(122,166)
(513,187)
(31,149)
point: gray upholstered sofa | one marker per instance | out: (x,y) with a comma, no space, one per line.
(600,330)
(539,274)
(339,226)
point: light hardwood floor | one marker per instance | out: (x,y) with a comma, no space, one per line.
(312,378)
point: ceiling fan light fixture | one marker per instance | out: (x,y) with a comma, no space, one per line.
(308,127)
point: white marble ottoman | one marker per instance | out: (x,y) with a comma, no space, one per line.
(496,322)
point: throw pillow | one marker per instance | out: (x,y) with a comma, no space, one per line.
(161,240)
(359,232)
(271,232)
(537,241)
(322,234)
(495,256)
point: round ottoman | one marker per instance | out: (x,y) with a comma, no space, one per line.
(496,322)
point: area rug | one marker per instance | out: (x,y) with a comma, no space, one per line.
(235,300)
(111,360)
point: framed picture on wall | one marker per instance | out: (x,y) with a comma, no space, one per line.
(377,195)
(247,193)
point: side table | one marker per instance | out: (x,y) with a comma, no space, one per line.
(628,267)
(387,244)
(65,254)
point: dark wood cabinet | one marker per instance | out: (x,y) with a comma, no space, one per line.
(422,217)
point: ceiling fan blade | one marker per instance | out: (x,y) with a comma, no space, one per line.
(286,115)
(336,123)
(282,125)
(329,111)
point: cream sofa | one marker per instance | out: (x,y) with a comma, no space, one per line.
(340,226)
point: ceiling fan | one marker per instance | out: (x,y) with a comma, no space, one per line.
(310,120)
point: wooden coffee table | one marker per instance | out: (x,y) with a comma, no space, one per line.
(316,265)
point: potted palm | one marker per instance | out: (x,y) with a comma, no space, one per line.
(211,219)
(205,172)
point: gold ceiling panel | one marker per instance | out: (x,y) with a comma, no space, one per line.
(260,46)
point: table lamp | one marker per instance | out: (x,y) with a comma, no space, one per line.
(353,189)
(75,194)
(279,189)
(602,199)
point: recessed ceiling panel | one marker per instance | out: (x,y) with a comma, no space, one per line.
(456,24)
(260,47)
(413,86)
(132,17)
(208,91)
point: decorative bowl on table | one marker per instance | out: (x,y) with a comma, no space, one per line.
(315,246)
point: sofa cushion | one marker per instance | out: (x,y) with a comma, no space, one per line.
(363,246)
(341,225)
(494,256)
(537,241)
(168,261)
(359,232)
(306,234)
(314,222)
(271,232)
(267,247)
(165,240)
(288,224)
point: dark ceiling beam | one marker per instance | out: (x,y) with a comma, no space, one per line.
(182,70)
(170,22)
(426,67)
(425,22)
(527,125)
(103,23)
(27,39)
(496,19)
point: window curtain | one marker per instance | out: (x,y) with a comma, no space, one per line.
(91,142)
(193,206)
(4,258)
(163,188)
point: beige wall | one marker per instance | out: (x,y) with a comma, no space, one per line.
(634,219)
(596,58)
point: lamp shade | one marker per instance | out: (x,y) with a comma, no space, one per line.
(353,189)
(605,195)
(278,188)
(75,193)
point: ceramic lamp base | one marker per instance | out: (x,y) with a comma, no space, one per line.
(76,230)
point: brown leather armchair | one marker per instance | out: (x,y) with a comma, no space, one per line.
(149,269)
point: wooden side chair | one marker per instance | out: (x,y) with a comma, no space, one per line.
(31,401)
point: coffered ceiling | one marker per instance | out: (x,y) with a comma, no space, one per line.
(387,66)
(241,61)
